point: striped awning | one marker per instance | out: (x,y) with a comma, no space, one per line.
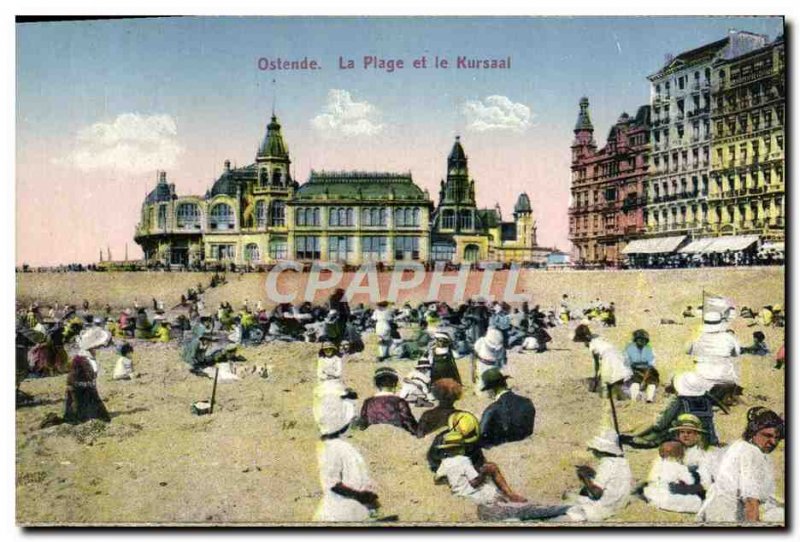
(708,245)
(658,245)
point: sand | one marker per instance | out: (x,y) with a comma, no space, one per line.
(253,461)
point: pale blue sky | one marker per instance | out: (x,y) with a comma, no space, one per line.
(202,73)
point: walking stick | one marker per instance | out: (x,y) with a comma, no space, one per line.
(609,387)
(214,391)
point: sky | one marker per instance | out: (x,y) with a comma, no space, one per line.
(102,105)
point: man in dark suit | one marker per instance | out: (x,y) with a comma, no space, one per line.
(510,417)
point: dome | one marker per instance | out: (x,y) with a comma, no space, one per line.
(523,204)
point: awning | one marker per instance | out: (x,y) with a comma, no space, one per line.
(659,245)
(707,245)
(698,246)
(734,243)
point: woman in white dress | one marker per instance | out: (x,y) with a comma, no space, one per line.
(744,487)
(348,493)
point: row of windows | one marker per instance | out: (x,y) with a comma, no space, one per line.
(221,216)
(370,216)
(341,248)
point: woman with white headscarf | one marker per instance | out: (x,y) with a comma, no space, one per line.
(489,353)
(348,493)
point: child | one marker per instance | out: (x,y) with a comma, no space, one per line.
(123,370)
(667,472)
(759,346)
(329,362)
(606,491)
(416,388)
(486,486)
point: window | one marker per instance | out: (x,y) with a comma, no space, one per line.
(405,217)
(406,248)
(162,217)
(340,248)
(307,216)
(252,253)
(223,252)
(448,219)
(373,249)
(278,249)
(465,220)
(307,248)
(443,252)
(261,214)
(277,212)
(188,216)
(611,194)
(221,217)
(373,216)
(471,253)
(340,216)
(276,178)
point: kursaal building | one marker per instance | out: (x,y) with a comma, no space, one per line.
(260,215)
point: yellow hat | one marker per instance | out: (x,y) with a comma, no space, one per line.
(777,308)
(453,439)
(466,424)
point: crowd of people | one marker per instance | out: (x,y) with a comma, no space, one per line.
(692,473)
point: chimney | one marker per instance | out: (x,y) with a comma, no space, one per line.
(227,165)
(162,176)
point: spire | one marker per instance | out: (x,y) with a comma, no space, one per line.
(457,160)
(273,144)
(584,121)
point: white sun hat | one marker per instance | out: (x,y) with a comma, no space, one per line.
(606,442)
(94,337)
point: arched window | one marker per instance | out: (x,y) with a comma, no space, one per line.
(261,214)
(162,217)
(188,216)
(277,212)
(300,217)
(251,253)
(221,217)
(276,178)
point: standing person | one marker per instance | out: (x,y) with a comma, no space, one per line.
(348,493)
(606,491)
(383,329)
(641,358)
(744,487)
(82,401)
(510,417)
(443,362)
(501,321)
(611,369)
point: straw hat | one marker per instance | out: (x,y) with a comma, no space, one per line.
(607,442)
(466,424)
(689,422)
(94,338)
(332,413)
(490,347)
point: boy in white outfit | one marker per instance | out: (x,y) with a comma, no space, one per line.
(666,471)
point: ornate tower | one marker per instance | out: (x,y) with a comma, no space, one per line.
(584,143)
(272,158)
(523,218)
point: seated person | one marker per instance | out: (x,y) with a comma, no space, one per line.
(123,370)
(606,491)
(416,386)
(468,425)
(689,312)
(759,346)
(329,362)
(670,484)
(510,417)
(447,391)
(641,358)
(385,406)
